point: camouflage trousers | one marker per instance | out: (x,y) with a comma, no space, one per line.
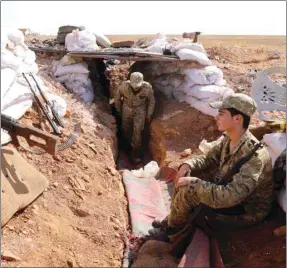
(133,121)
(184,201)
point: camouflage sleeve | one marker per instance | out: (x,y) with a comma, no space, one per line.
(208,161)
(118,97)
(242,185)
(150,102)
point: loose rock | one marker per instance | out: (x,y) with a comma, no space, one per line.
(9,256)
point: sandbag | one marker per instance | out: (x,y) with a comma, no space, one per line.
(193,46)
(81,41)
(205,76)
(276,142)
(157,44)
(21,183)
(81,68)
(4,39)
(188,54)
(9,60)
(82,78)
(210,93)
(202,106)
(20,51)
(15,36)
(102,40)
(8,77)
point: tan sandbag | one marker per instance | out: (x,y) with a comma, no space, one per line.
(21,183)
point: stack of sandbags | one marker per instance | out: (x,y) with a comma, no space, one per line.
(15,54)
(102,40)
(194,80)
(64,30)
(81,41)
(16,96)
(75,76)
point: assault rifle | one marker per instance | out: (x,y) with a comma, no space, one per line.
(15,129)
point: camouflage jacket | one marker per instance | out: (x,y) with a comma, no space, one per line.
(252,186)
(144,98)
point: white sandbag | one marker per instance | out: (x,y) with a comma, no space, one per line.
(185,87)
(281,198)
(5,137)
(59,104)
(15,36)
(272,155)
(4,38)
(276,141)
(202,106)
(102,40)
(178,95)
(188,54)
(19,107)
(30,57)
(20,51)
(8,77)
(81,68)
(205,76)
(150,170)
(210,93)
(9,60)
(193,46)
(157,44)
(81,41)
(88,96)
(27,68)
(83,78)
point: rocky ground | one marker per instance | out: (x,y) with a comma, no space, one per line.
(81,219)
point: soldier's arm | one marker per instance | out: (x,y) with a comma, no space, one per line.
(118,97)
(211,160)
(150,102)
(242,185)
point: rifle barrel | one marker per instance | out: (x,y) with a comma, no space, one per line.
(53,125)
(54,112)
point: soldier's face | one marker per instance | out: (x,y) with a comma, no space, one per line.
(225,121)
(137,88)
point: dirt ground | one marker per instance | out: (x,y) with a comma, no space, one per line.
(88,227)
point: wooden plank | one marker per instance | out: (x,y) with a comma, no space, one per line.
(47,49)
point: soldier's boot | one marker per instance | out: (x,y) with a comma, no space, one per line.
(135,156)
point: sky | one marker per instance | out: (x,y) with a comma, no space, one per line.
(149,17)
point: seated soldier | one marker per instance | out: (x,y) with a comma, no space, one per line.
(250,191)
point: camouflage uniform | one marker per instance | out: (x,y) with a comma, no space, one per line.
(134,107)
(252,187)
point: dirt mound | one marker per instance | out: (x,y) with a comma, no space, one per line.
(82,217)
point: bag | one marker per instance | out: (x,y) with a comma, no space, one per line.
(81,68)
(205,76)
(81,41)
(188,54)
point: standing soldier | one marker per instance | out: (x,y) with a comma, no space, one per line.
(134,101)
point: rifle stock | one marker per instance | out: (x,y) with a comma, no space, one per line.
(48,142)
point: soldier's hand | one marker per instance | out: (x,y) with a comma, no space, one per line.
(184,181)
(182,172)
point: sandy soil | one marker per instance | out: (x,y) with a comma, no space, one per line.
(87,227)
